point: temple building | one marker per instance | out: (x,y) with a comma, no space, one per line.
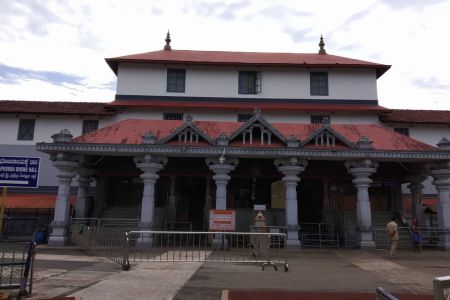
(191,131)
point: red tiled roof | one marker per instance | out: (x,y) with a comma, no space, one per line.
(34,201)
(131,131)
(269,106)
(246,58)
(48,107)
(416,116)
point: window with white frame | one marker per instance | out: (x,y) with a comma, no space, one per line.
(176,80)
(26,130)
(319,83)
(249,82)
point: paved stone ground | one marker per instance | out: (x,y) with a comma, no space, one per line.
(72,272)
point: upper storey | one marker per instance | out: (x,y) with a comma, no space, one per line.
(244,75)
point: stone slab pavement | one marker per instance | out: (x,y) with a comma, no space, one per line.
(71,272)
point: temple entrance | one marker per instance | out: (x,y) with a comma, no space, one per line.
(310,200)
(124,191)
(191,201)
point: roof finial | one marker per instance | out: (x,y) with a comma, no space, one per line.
(322,45)
(168,40)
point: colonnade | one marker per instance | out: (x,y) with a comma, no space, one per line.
(291,168)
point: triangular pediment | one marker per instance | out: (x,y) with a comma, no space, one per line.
(326,136)
(257,131)
(187,133)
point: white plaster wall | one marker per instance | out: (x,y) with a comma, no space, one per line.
(222,81)
(45,126)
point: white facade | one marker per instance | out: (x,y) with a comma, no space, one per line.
(222,81)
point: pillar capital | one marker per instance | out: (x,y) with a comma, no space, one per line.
(222,160)
(361,168)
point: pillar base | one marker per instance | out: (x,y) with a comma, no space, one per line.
(444,244)
(58,240)
(144,241)
(293,244)
(365,241)
(220,243)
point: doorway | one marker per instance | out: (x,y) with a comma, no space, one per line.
(191,201)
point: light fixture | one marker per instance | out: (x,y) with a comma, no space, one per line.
(222,157)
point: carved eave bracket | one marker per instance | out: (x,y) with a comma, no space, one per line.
(292,142)
(222,140)
(64,136)
(149,138)
(444,144)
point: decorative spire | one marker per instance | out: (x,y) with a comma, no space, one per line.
(168,40)
(322,46)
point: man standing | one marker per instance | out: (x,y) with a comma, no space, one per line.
(392,234)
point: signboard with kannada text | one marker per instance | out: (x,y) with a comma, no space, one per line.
(19,172)
(222,220)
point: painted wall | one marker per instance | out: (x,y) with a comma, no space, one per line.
(222,81)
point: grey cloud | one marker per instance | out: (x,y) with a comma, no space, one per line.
(358,16)
(301,35)
(415,4)
(218,8)
(13,75)
(430,83)
(349,47)
(37,16)
(279,12)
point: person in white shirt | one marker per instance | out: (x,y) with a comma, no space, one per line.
(392,234)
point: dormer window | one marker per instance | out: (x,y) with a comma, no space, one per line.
(249,82)
(176,80)
(173,116)
(320,119)
(319,83)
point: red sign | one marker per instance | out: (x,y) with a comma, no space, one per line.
(222,220)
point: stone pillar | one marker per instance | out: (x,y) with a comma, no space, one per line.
(172,205)
(361,170)
(441,178)
(416,187)
(84,180)
(66,172)
(150,166)
(221,170)
(290,168)
(221,167)
(208,202)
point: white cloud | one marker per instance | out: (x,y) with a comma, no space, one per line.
(74,37)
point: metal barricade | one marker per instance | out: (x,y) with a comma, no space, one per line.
(318,235)
(100,241)
(231,247)
(441,286)
(16,265)
(430,237)
(384,295)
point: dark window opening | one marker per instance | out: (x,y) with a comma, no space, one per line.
(320,119)
(244,117)
(249,82)
(26,130)
(319,83)
(404,131)
(89,125)
(172,116)
(176,80)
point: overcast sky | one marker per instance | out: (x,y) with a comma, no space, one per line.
(55,50)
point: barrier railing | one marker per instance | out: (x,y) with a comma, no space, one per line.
(100,241)
(318,235)
(233,247)
(441,287)
(16,265)
(430,237)
(381,294)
